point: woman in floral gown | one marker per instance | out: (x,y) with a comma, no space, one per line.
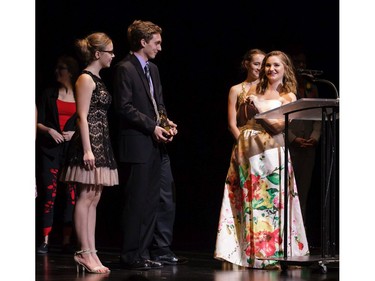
(251,222)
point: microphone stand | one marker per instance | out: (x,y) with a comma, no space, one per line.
(317,80)
(329,83)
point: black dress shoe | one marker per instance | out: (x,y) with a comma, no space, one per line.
(142,265)
(154,264)
(170,259)
(137,265)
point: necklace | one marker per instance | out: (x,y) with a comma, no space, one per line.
(245,84)
(251,82)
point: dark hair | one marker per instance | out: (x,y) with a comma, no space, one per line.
(139,30)
(72,65)
(249,55)
(87,47)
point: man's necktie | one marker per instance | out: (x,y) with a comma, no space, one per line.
(147,71)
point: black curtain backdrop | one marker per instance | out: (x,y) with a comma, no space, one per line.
(203,44)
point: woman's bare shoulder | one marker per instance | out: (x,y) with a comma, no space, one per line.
(288,97)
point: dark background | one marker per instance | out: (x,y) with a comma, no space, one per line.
(203,44)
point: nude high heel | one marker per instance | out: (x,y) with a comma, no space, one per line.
(106,268)
(79,264)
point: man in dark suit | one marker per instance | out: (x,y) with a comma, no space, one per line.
(149,205)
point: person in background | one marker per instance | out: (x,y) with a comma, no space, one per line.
(56,123)
(304,136)
(250,231)
(90,160)
(251,62)
(145,172)
(237,106)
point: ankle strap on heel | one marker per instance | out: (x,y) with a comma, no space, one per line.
(83,252)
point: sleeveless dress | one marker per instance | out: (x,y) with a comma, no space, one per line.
(105,173)
(251,221)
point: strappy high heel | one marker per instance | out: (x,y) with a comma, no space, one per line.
(79,264)
(106,268)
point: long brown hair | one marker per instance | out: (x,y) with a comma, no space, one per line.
(289,79)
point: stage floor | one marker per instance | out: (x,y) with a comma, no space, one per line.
(56,266)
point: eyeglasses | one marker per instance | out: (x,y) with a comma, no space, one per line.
(109,52)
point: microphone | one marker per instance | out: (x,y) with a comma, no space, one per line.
(309,72)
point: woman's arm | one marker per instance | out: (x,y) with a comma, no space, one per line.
(41,120)
(84,88)
(232,112)
(57,137)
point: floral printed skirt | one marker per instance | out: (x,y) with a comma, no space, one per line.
(251,223)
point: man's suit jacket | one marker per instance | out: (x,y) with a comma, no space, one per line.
(133,105)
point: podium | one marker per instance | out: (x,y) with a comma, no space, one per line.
(327,111)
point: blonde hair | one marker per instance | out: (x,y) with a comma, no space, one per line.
(87,46)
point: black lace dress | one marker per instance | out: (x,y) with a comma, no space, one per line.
(105,172)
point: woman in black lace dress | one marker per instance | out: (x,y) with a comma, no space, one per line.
(91,162)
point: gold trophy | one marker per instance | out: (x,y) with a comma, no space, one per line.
(164,122)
